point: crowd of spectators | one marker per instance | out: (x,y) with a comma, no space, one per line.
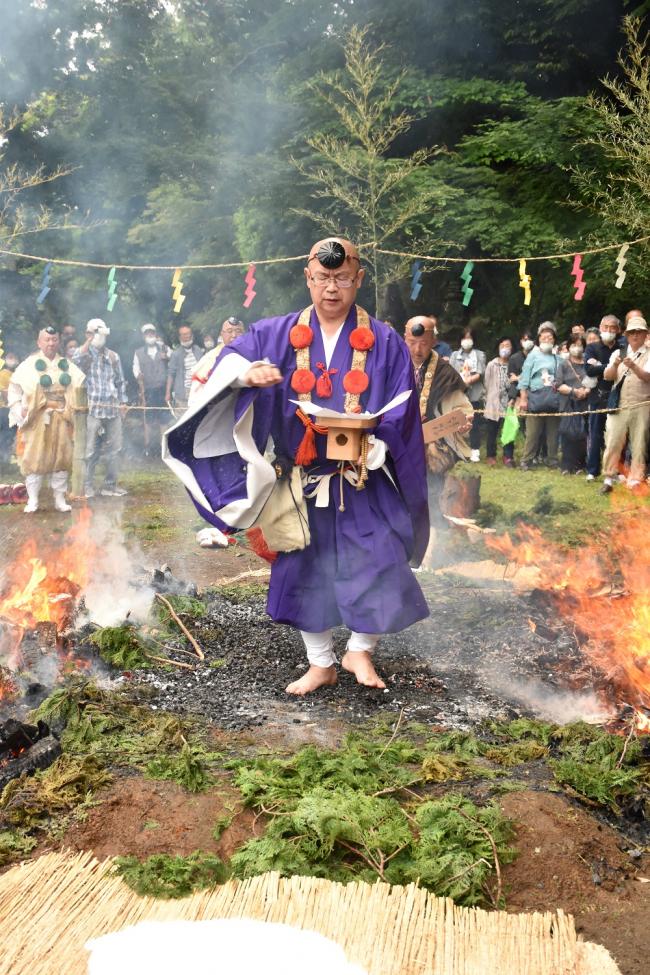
(582,398)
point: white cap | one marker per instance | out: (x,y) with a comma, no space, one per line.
(98,325)
(636,324)
(148,328)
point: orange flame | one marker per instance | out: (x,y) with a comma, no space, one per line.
(41,585)
(603,589)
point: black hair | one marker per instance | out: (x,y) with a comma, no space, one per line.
(504,338)
(468,333)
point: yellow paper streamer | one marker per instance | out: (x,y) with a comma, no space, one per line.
(177,284)
(524,280)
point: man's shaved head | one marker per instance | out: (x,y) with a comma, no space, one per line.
(333,276)
(48,342)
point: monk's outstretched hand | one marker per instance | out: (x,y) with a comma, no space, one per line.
(263,376)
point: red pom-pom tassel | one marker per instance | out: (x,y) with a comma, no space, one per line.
(301,336)
(303,381)
(306,453)
(362,339)
(355,381)
(258,544)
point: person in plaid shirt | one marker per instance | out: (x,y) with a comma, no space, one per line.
(107,406)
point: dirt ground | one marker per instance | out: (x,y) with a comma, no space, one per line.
(566,859)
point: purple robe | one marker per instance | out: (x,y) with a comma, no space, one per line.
(356,569)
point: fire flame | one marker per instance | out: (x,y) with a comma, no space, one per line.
(603,589)
(41,586)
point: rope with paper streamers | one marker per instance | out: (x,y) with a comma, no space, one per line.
(417,259)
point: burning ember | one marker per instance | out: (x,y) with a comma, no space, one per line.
(603,590)
(39,589)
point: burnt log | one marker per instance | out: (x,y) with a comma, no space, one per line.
(460,497)
(38,756)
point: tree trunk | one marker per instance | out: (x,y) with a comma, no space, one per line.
(460,496)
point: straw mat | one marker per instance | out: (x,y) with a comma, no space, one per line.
(50,907)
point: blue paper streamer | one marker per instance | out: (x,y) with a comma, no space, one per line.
(112,290)
(416,280)
(45,284)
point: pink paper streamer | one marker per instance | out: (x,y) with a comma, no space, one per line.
(250,286)
(577,272)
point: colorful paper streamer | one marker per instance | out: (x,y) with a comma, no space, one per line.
(416,280)
(621,261)
(250,286)
(525,280)
(466,277)
(177,284)
(45,284)
(578,274)
(112,290)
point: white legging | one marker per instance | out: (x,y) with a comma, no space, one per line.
(320,651)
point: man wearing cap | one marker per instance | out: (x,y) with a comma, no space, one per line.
(150,363)
(630,373)
(41,405)
(364,519)
(536,387)
(440,390)
(231,329)
(107,405)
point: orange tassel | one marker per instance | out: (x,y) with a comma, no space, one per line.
(258,544)
(306,453)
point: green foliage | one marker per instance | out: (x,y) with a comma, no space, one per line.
(121,647)
(602,781)
(516,754)
(31,801)
(187,768)
(241,592)
(187,606)
(116,731)
(167,876)
(14,845)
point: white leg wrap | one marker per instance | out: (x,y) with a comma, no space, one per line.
(319,648)
(359,642)
(33,485)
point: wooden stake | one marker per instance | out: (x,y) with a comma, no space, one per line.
(181,625)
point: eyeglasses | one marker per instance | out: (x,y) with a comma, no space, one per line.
(341,280)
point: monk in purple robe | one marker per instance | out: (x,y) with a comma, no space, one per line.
(355,569)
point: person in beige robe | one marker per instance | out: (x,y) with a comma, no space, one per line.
(41,405)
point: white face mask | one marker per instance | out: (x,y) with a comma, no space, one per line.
(576,351)
(467,344)
(188,344)
(98,341)
(546,347)
(607,337)
(564,355)
(505,352)
(527,345)
(150,339)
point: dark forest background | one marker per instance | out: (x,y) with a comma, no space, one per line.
(179,125)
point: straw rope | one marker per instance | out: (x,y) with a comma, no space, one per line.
(50,907)
(370,245)
(166,409)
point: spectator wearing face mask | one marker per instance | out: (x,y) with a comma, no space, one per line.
(150,373)
(573,429)
(597,356)
(517,359)
(630,373)
(497,399)
(470,363)
(107,406)
(182,366)
(539,399)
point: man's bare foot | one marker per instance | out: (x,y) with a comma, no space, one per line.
(359,663)
(314,678)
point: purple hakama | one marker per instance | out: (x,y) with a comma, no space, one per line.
(356,569)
